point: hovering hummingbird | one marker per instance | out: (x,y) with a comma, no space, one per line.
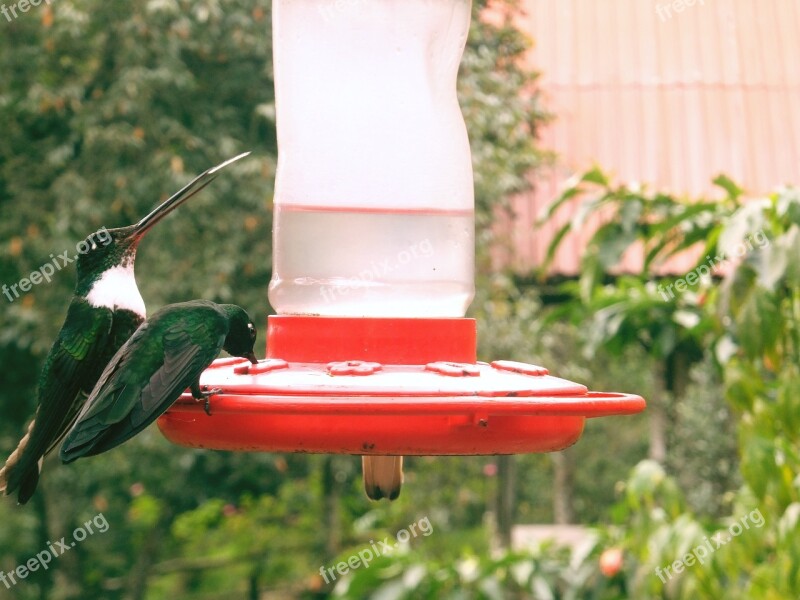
(105,310)
(383,476)
(153,368)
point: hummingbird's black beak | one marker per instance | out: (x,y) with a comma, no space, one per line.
(189,190)
(252,358)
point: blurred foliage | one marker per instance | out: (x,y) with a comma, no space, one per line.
(656,545)
(105,110)
(642,308)
(503,111)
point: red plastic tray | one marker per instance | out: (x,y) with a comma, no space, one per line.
(362,407)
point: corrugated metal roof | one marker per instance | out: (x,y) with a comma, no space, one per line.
(662,97)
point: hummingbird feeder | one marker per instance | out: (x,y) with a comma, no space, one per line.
(369,352)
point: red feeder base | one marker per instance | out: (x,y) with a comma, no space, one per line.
(432,398)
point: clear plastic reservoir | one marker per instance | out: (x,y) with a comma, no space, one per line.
(374,193)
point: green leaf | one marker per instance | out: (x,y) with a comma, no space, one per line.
(758,324)
(610,242)
(771,265)
(727,184)
(739,235)
(552,248)
(567,195)
(595,175)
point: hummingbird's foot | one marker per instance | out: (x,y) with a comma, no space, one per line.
(205,397)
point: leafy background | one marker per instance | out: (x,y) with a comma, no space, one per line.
(107,108)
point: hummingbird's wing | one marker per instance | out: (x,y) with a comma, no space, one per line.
(92,347)
(139,384)
(72,361)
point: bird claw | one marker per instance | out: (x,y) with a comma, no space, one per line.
(205,397)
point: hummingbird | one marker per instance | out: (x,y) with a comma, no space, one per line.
(105,310)
(165,355)
(383,476)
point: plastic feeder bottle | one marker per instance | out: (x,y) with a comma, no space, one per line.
(374,258)
(374,195)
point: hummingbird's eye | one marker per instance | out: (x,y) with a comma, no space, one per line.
(252,330)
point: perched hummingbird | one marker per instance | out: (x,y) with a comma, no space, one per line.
(383,476)
(106,309)
(153,368)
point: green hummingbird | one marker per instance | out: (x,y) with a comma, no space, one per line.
(153,368)
(105,310)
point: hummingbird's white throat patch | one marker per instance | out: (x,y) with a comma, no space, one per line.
(116,289)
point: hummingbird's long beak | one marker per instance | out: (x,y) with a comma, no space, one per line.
(252,358)
(181,196)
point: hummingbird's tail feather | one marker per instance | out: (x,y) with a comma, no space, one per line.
(17,474)
(383,476)
(29,481)
(7,472)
